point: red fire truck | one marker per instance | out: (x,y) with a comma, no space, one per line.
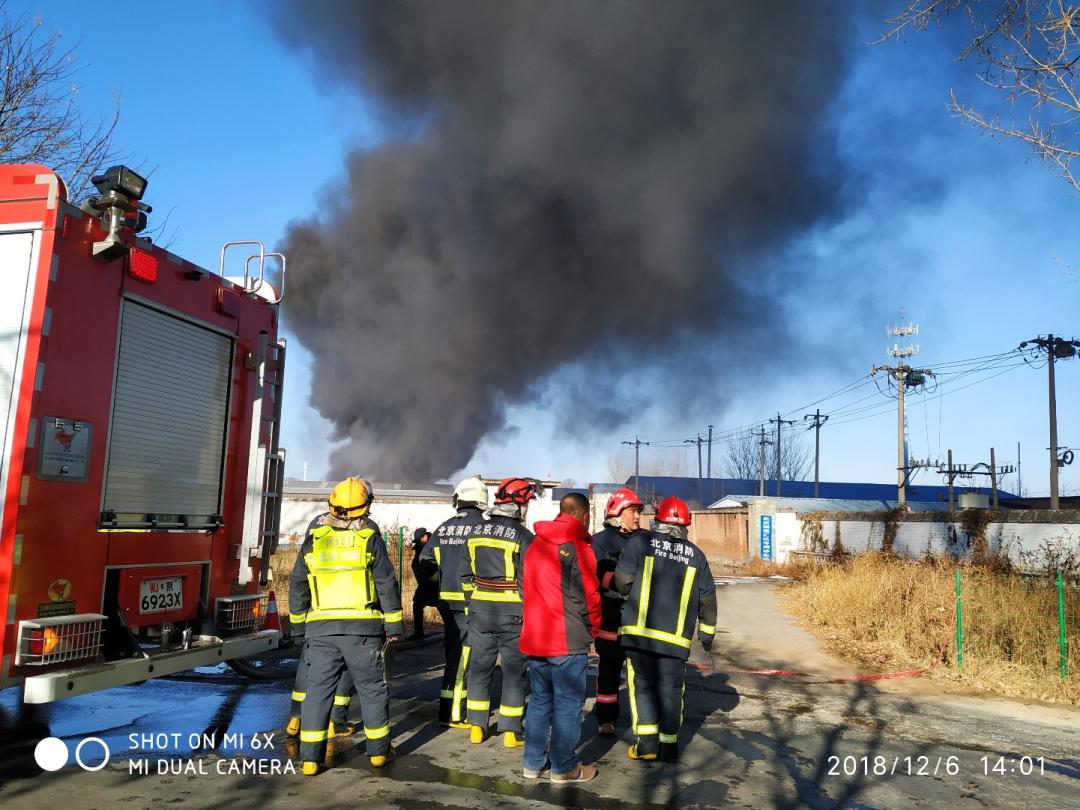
(140,404)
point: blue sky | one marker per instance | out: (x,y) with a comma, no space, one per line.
(968,233)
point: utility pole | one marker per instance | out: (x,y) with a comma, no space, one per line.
(993,477)
(1056,348)
(761,463)
(819,420)
(1019,481)
(950,481)
(710,451)
(779,423)
(905,377)
(701,484)
(954,471)
(636,444)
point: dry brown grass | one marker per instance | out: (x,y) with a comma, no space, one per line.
(895,614)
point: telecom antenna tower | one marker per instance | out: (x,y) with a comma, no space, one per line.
(905,376)
(902,351)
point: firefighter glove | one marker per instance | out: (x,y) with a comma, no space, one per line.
(706,643)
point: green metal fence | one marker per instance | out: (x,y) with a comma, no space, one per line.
(1027,620)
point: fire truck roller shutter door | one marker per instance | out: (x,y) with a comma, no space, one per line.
(170,410)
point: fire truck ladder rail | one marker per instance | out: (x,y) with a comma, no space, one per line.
(274,482)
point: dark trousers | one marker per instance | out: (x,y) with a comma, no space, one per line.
(456,650)
(342,695)
(496,633)
(655,684)
(327,658)
(421,600)
(608,677)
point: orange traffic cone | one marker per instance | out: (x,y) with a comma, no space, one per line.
(272,621)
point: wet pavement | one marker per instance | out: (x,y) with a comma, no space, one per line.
(214,739)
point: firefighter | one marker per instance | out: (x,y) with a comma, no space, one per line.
(492,565)
(440,559)
(339,717)
(343,584)
(668,585)
(622,520)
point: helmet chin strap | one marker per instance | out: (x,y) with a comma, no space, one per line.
(671,530)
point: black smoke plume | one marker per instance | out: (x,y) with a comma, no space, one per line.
(563,181)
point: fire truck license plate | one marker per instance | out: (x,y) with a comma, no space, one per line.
(159,595)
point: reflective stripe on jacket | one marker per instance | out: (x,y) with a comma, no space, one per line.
(491,564)
(441,556)
(668,585)
(607,545)
(343,581)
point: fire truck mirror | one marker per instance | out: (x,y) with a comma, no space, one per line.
(64,449)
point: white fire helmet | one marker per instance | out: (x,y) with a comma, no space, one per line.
(471,490)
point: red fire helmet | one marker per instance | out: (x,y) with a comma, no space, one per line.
(619,500)
(673,510)
(515,490)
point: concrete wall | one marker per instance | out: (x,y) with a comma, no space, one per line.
(1031,539)
(721,535)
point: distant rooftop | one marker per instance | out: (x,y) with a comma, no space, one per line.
(826,504)
(710,490)
(297,487)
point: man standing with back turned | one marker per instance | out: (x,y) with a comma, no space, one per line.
(441,558)
(561,618)
(491,564)
(344,585)
(668,584)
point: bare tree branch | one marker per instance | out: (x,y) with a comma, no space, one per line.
(743,457)
(1029,52)
(40,118)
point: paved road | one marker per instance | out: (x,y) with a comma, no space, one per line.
(750,741)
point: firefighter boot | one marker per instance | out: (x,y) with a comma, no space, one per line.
(309,768)
(382,760)
(341,729)
(512,739)
(477,734)
(633,753)
(669,752)
(292,728)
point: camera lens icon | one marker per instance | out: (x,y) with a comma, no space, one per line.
(51,754)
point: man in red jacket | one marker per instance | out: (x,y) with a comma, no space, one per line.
(560,619)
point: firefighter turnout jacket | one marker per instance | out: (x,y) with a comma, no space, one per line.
(490,565)
(442,555)
(607,546)
(343,582)
(440,560)
(668,586)
(490,568)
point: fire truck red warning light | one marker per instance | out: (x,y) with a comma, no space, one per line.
(142,266)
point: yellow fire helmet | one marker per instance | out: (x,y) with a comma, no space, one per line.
(350,499)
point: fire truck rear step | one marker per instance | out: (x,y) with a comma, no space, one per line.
(205,651)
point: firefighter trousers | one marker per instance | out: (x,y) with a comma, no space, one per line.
(496,633)
(456,650)
(655,683)
(327,658)
(342,695)
(608,677)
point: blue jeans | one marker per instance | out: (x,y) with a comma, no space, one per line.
(558,697)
